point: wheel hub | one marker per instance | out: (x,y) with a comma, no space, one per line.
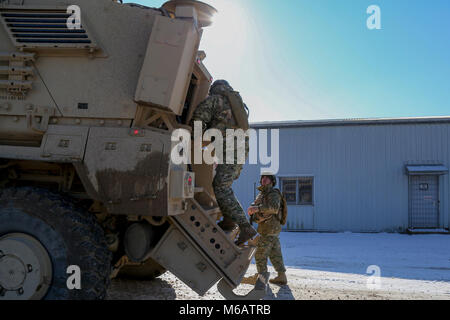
(12,273)
(25,267)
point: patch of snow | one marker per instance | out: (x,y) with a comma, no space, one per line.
(420,257)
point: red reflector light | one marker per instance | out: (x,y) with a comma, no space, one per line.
(136,132)
(189,180)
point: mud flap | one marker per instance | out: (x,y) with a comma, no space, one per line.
(257,293)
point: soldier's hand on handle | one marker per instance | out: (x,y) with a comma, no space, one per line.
(252,210)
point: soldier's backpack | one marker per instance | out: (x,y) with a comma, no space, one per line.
(283,212)
(238,108)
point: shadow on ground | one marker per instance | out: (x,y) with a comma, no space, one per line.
(281,293)
(157,289)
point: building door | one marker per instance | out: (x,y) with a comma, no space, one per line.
(424,201)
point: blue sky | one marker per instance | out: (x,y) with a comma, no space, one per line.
(316,59)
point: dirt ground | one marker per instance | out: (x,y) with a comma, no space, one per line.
(303,285)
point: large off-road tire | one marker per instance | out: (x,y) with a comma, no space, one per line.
(149,270)
(43,234)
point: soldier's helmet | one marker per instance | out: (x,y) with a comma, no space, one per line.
(270,175)
(220,86)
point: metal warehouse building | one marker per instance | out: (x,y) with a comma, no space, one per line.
(364,175)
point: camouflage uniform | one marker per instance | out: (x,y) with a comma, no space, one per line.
(215,112)
(269,227)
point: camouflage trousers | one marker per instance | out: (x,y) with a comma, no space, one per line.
(229,205)
(269,247)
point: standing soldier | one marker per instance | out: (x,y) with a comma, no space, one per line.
(269,211)
(219,111)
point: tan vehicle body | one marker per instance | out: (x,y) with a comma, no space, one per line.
(88,112)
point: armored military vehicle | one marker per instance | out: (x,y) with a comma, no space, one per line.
(90,92)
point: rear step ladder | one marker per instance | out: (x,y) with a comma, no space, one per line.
(200,253)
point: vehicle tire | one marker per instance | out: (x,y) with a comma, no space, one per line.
(149,270)
(44,232)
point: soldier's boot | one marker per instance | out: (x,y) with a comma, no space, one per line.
(247,233)
(227,224)
(280,280)
(250,280)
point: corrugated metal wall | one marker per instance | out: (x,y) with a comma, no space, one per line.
(360,183)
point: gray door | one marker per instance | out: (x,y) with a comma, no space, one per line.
(424,201)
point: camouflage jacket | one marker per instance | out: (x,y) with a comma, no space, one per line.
(215,112)
(268,201)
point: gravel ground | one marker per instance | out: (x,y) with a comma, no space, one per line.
(333,266)
(303,285)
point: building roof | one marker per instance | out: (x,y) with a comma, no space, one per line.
(349,122)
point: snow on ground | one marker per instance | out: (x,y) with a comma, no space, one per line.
(420,257)
(333,266)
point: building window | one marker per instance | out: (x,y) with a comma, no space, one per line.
(289,191)
(298,191)
(305,191)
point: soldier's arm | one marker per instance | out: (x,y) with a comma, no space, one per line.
(257,201)
(271,205)
(204,113)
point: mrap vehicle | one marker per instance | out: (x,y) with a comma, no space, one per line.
(90,93)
